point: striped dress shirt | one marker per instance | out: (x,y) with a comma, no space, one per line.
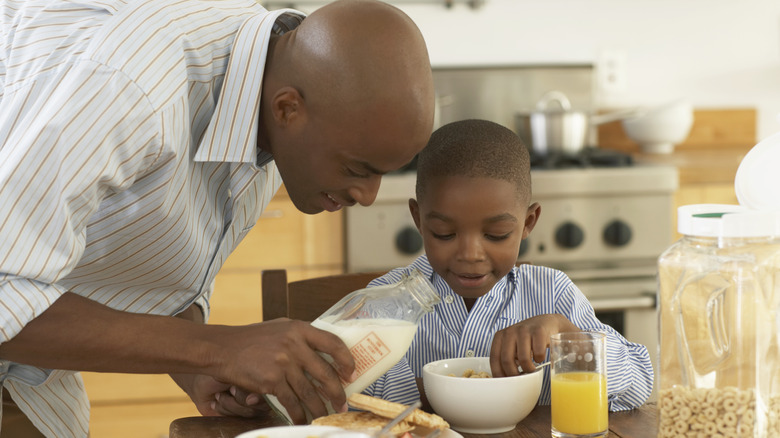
(527,291)
(129,167)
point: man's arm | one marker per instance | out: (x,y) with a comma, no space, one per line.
(76,333)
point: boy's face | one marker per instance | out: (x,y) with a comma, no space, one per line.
(472,229)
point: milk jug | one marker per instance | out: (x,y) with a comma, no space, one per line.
(377,324)
(718,313)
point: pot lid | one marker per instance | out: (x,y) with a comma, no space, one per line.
(550,97)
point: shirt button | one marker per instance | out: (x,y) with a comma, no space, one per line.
(470,353)
(448,299)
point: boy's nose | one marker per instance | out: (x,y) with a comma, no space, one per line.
(471,249)
(365,192)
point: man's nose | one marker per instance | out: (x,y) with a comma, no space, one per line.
(365,192)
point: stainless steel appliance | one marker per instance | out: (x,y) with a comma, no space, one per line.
(605,220)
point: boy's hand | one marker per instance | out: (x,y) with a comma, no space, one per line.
(525,343)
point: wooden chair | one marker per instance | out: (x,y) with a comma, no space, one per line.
(307,299)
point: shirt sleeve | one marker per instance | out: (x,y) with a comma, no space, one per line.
(629,369)
(67,141)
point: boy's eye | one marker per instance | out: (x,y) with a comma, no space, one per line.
(442,236)
(497,238)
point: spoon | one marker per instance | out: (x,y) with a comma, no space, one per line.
(538,367)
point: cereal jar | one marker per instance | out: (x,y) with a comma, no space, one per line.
(718,301)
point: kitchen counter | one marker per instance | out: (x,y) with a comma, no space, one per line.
(711,154)
(699,166)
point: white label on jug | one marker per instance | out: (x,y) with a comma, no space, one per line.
(367,352)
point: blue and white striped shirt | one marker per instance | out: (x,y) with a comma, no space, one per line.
(452,331)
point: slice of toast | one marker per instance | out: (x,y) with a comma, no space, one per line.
(390,409)
(366,421)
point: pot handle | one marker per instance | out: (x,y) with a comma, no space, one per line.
(554,96)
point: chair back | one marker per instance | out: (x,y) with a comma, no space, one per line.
(307,299)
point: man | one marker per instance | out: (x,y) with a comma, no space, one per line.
(139,142)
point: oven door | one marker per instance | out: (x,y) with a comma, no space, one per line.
(625,300)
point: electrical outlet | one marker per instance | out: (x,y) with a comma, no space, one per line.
(612,71)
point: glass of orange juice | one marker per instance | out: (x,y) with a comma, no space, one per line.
(578,385)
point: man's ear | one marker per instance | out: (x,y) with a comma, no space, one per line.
(531,217)
(414,208)
(287,106)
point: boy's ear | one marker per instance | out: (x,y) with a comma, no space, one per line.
(531,217)
(414,208)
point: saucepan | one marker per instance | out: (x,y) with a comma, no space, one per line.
(555,128)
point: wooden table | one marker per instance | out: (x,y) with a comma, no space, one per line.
(639,423)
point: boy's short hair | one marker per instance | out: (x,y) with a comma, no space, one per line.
(475,148)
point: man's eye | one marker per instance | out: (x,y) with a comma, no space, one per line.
(497,238)
(355,174)
(443,236)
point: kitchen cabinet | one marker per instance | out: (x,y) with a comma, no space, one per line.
(126,405)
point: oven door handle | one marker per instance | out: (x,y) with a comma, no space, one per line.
(646,300)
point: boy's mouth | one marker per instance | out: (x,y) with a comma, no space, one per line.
(471,280)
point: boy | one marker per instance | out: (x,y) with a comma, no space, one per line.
(473,209)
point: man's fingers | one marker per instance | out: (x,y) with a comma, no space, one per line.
(227,405)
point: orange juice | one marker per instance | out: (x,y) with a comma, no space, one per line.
(579,402)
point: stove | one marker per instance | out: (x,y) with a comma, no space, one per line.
(594,215)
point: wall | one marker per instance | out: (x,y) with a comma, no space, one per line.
(717,53)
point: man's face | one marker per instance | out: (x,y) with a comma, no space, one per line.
(472,229)
(330,162)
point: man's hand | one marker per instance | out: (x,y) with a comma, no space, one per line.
(276,357)
(525,343)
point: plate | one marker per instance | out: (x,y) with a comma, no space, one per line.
(289,432)
(313,432)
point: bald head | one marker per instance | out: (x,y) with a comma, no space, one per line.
(353,52)
(354,56)
(349,94)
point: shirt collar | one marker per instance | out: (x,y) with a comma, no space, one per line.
(231,135)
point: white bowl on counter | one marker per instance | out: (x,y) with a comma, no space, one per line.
(658,129)
(479,405)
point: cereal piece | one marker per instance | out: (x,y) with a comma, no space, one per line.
(744,397)
(730,403)
(709,413)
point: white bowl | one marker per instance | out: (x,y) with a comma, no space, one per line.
(659,129)
(483,405)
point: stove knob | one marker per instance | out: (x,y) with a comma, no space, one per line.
(409,240)
(617,233)
(569,235)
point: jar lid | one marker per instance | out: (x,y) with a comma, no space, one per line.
(758,176)
(726,220)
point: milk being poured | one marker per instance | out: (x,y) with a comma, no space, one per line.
(377,324)
(376,345)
